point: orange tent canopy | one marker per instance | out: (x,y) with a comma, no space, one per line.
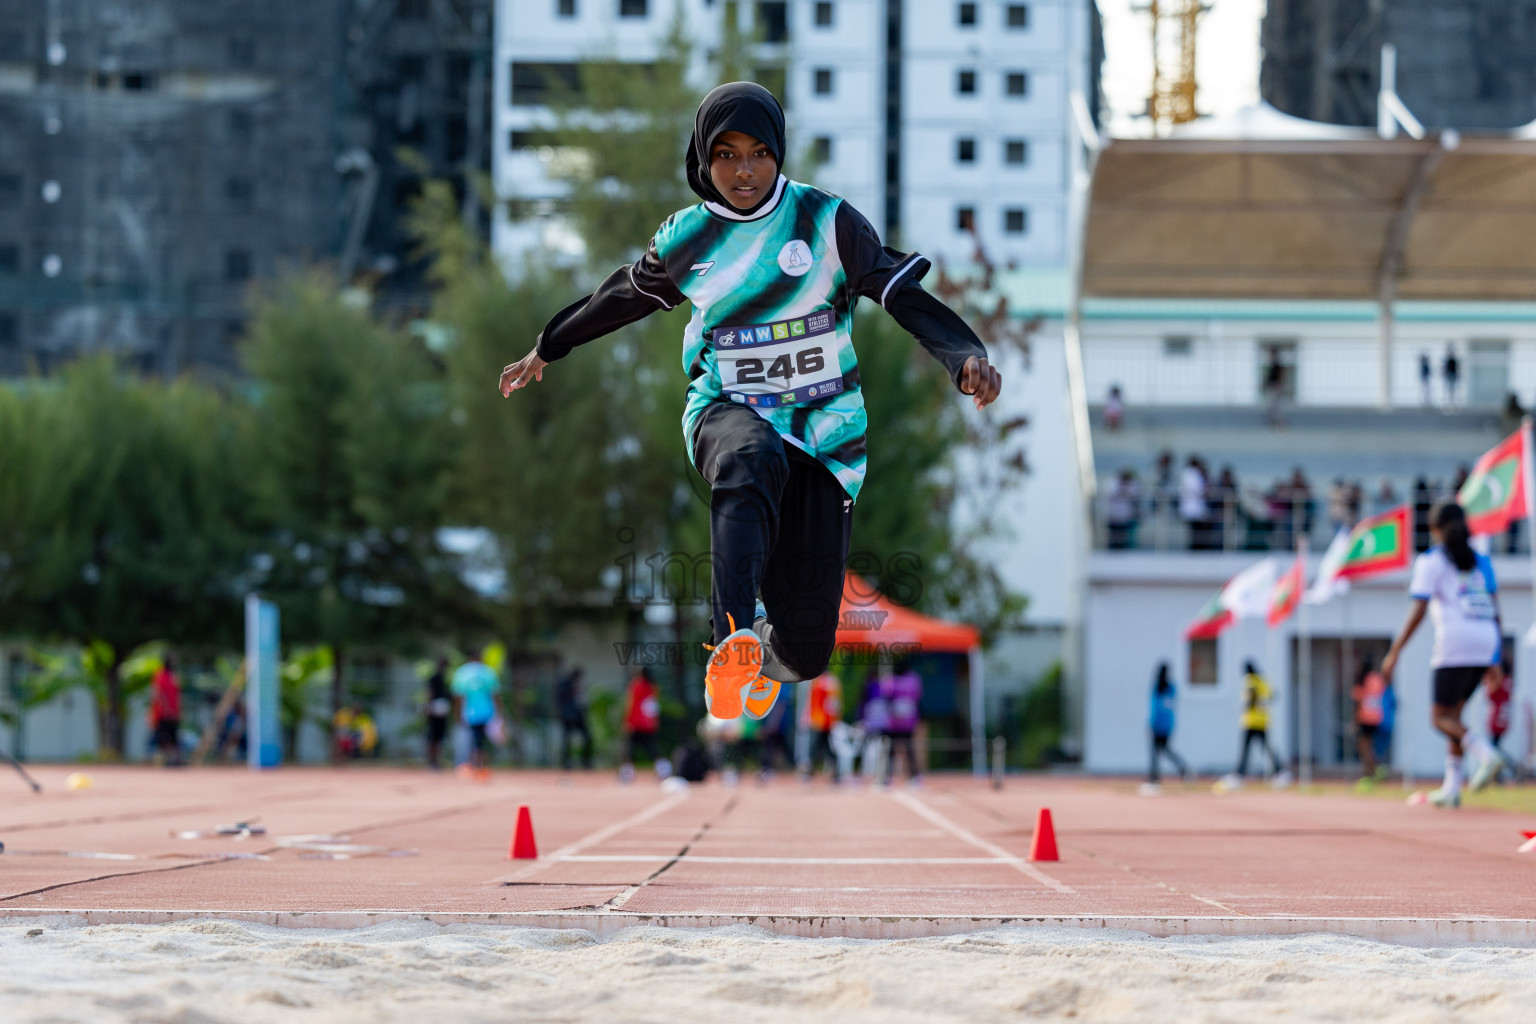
(867,617)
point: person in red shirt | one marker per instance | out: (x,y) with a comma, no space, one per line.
(1501,714)
(1370,710)
(823,710)
(165,711)
(642,718)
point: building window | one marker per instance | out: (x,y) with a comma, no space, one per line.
(823,82)
(821,149)
(1016,84)
(965,151)
(520,139)
(239,192)
(237,265)
(1178,346)
(565,9)
(8,332)
(533,83)
(773,21)
(1202,662)
(965,82)
(1018,16)
(824,14)
(1015,220)
(965,14)
(413,10)
(411,68)
(10,259)
(140,81)
(1016,152)
(965,218)
(10,190)
(633,8)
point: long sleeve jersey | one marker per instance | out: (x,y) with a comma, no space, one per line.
(773,295)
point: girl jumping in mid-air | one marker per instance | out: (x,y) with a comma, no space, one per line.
(774,419)
(1455,585)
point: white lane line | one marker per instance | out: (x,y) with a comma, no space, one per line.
(568,851)
(637,858)
(960,832)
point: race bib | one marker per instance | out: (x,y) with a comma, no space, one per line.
(1474,601)
(792,362)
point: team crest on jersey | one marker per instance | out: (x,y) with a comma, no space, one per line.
(795,258)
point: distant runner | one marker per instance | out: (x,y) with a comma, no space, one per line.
(1456,586)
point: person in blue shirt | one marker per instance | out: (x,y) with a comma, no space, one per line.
(1160,720)
(475,687)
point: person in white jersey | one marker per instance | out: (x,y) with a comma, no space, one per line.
(1455,584)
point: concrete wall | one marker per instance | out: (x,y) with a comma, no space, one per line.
(1139,605)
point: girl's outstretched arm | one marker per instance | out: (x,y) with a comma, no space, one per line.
(892,278)
(629,294)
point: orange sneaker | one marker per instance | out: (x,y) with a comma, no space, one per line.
(760,698)
(734,670)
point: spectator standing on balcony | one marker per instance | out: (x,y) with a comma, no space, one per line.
(1451,370)
(1338,505)
(1512,413)
(1426,375)
(1223,499)
(1114,408)
(1301,503)
(1193,508)
(1385,499)
(1274,390)
(1165,490)
(1123,511)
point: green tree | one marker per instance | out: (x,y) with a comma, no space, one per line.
(122,520)
(352,452)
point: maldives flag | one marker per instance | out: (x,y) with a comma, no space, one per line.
(1494,495)
(1287,593)
(1213,618)
(1377,545)
(1245,596)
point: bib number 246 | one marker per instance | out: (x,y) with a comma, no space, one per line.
(806,361)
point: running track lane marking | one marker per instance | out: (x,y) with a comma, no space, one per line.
(960,832)
(568,851)
(641,858)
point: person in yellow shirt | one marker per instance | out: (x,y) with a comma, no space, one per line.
(1256,695)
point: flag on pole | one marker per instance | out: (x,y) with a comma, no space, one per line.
(1245,596)
(1378,544)
(1327,586)
(1286,594)
(1494,494)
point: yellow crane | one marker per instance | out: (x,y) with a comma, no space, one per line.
(1174,23)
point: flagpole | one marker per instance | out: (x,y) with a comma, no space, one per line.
(1303,683)
(1528,473)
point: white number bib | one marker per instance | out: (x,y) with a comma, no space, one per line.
(1475,602)
(792,362)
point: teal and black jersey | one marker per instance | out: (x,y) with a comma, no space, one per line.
(773,296)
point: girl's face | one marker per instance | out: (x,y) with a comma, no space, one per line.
(742,168)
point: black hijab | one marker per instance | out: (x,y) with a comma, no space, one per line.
(744,107)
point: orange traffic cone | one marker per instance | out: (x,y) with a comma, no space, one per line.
(1043,846)
(523,847)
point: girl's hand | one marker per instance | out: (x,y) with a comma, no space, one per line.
(522,373)
(1389,665)
(979,378)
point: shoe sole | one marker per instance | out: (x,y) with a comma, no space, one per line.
(731,703)
(757,707)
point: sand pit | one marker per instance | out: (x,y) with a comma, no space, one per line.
(220,971)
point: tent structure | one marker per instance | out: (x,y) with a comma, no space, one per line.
(1260,204)
(867,617)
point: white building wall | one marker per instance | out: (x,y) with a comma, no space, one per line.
(1139,606)
(936,115)
(853,116)
(1337,357)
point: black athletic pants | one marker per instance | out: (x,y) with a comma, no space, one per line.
(779,526)
(1249,735)
(1161,749)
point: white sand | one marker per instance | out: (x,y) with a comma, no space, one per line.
(417,972)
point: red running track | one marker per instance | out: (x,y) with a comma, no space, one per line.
(801,859)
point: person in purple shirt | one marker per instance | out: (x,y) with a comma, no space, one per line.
(903,693)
